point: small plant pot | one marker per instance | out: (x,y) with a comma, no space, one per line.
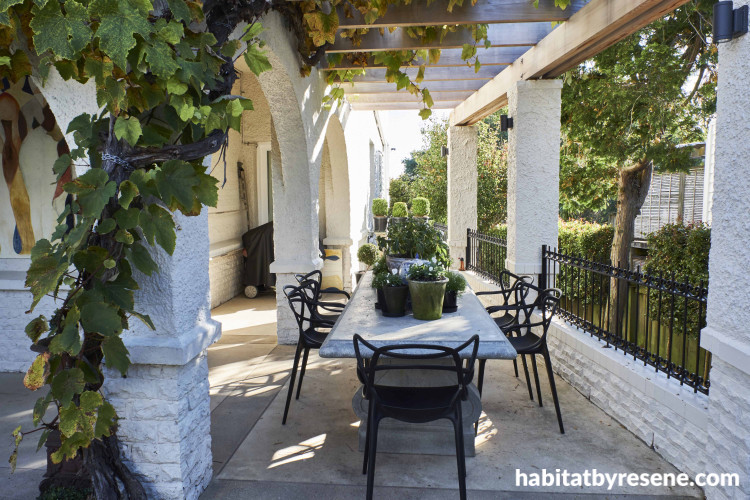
(395,301)
(381,224)
(450,302)
(358,276)
(422,218)
(398,220)
(427,299)
(380,304)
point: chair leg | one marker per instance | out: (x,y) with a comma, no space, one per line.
(291,382)
(367,440)
(373,422)
(460,452)
(302,371)
(515,367)
(552,386)
(526,372)
(480,378)
(536,379)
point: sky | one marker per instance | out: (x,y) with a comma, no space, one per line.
(402,131)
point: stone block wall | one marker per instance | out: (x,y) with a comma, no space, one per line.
(164,426)
(14,344)
(225,274)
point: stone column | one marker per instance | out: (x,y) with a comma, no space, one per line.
(533,173)
(163,404)
(462,188)
(727,336)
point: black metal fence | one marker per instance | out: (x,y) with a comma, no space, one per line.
(655,319)
(485,255)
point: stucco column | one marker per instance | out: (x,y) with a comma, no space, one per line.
(727,336)
(163,404)
(533,173)
(462,188)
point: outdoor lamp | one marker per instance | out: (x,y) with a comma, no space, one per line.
(729,22)
(505,123)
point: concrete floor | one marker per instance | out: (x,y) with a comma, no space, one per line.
(315,455)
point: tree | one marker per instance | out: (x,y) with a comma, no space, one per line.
(633,105)
(430,177)
(399,189)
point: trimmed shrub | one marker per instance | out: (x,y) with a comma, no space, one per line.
(379,207)
(367,254)
(420,207)
(400,210)
(589,240)
(456,282)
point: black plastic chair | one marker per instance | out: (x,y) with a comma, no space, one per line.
(525,341)
(414,404)
(312,332)
(512,293)
(329,311)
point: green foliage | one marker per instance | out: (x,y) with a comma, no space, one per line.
(420,206)
(415,238)
(380,265)
(429,178)
(159,78)
(367,254)
(385,278)
(399,209)
(398,190)
(379,207)
(64,493)
(680,253)
(456,282)
(588,240)
(429,271)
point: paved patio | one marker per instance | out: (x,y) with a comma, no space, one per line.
(315,455)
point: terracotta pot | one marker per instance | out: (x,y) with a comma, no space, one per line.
(395,300)
(381,224)
(427,298)
(450,302)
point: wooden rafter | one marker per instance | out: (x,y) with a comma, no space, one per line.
(395,106)
(407,97)
(377,75)
(484,12)
(389,88)
(494,56)
(500,35)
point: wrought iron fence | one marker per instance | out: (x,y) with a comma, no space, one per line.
(485,255)
(655,319)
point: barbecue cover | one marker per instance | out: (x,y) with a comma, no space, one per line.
(258,243)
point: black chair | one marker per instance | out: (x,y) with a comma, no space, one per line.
(513,292)
(312,332)
(414,404)
(525,341)
(329,311)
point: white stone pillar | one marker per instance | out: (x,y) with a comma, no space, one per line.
(462,188)
(727,315)
(163,404)
(533,173)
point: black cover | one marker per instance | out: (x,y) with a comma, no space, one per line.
(258,244)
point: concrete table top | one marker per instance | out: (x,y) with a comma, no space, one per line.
(453,329)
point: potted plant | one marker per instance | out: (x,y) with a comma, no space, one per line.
(367,255)
(410,240)
(380,214)
(394,294)
(455,287)
(420,207)
(378,282)
(399,212)
(427,284)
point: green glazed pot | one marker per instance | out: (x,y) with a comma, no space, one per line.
(427,298)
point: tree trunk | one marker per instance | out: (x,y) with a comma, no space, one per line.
(631,193)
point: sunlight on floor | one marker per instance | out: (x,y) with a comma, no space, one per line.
(303,451)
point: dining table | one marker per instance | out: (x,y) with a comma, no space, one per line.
(360,316)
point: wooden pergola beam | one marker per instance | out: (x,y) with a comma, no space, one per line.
(494,56)
(500,35)
(407,97)
(389,88)
(396,106)
(377,75)
(417,13)
(595,27)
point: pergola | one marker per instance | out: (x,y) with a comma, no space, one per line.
(526,45)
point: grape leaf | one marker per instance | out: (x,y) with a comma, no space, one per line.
(101,318)
(175,181)
(36,328)
(117,29)
(69,339)
(141,259)
(115,354)
(66,384)
(128,129)
(157,225)
(256,60)
(37,372)
(161,59)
